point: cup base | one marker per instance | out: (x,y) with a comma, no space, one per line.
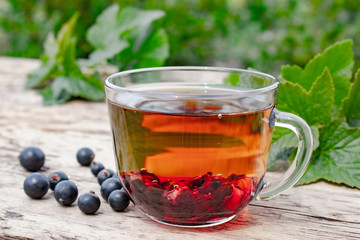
(192,225)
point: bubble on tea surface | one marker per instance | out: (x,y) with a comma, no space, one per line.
(219,115)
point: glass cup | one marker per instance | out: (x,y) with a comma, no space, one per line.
(191,143)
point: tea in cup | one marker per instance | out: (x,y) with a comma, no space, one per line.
(191,144)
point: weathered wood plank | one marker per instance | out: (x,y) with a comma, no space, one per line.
(318,211)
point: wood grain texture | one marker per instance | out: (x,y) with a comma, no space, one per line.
(317,211)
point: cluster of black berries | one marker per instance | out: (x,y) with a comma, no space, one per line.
(36,185)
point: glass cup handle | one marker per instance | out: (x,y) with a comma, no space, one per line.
(302,158)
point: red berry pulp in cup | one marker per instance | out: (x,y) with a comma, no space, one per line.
(190,199)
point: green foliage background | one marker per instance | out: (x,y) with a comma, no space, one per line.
(237,33)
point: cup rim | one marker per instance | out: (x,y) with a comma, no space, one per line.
(262,90)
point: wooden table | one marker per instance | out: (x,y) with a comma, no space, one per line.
(317,211)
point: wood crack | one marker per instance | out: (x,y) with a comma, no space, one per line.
(14,237)
(306,214)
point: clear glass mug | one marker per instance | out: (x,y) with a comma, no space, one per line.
(191,144)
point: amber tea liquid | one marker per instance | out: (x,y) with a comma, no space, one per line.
(190,161)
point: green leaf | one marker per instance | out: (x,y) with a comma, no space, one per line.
(65,37)
(98,34)
(338,58)
(104,36)
(245,80)
(73,81)
(154,51)
(284,144)
(316,136)
(351,104)
(55,50)
(315,106)
(49,99)
(233,79)
(48,66)
(77,86)
(69,64)
(60,69)
(50,47)
(287,138)
(40,75)
(101,55)
(338,157)
(130,17)
(137,25)
(115,31)
(281,149)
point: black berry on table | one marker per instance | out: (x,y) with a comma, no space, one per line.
(56,177)
(85,156)
(65,192)
(108,186)
(96,167)
(36,185)
(89,203)
(32,158)
(119,200)
(104,174)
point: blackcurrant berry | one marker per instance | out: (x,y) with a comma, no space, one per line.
(119,200)
(108,186)
(56,177)
(32,158)
(104,174)
(96,167)
(36,185)
(89,203)
(65,192)
(85,156)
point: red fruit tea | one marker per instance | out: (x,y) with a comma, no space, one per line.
(190,162)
